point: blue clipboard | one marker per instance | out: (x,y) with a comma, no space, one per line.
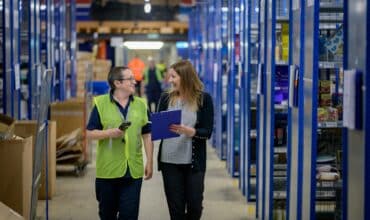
(161,122)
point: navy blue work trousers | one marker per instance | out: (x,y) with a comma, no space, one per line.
(184,191)
(118,198)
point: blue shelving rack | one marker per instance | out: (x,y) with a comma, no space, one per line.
(73,47)
(225,69)
(241,85)
(356,152)
(217,91)
(269,108)
(16,59)
(10,58)
(261,112)
(295,112)
(251,40)
(47,36)
(312,198)
(60,50)
(31,10)
(233,107)
(272,73)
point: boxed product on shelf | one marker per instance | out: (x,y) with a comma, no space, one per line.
(332,114)
(322,114)
(16,173)
(29,128)
(101,69)
(325,100)
(325,86)
(84,55)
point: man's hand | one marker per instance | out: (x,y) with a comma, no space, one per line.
(148,171)
(114,133)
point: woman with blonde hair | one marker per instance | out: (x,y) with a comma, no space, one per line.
(182,160)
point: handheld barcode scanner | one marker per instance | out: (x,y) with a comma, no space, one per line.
(124,125)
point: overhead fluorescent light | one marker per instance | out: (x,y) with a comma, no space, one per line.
(182,44)
(147,8)
(143,45)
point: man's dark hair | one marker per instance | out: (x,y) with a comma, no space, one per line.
(114,74)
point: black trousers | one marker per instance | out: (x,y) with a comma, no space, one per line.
(184,191)
(118,198)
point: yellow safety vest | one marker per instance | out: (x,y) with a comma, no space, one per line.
(113,155)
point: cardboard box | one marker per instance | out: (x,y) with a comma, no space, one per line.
(28,128)
(7,213)
(16,163)
(70,115)
(324,87)
(82,55)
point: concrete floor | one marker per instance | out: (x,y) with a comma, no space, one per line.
(75,196)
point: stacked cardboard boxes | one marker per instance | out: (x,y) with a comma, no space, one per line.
(90,69)
(16,163)
(29,128)
(84,71)
(70,115)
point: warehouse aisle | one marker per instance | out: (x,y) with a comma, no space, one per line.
(75,197)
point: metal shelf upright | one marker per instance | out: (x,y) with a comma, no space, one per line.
(233,107)
(60,50)
(10,58)
(217,75)
(72,45)
(31,30)
(295,111)
(241,86)
(261,112)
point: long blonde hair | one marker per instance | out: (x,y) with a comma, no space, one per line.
(191,87)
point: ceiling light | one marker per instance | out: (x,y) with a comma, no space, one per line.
(182,44)
(143,45)
(147,8)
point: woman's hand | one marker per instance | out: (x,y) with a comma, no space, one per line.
(182,129)
(114,133)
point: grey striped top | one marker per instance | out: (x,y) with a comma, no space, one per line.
(178,150)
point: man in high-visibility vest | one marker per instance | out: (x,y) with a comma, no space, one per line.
(137,67)
(153,84)
(120,122)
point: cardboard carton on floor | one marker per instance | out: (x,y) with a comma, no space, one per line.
(7,213)
(69,116)
(16,174)
(29,128)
